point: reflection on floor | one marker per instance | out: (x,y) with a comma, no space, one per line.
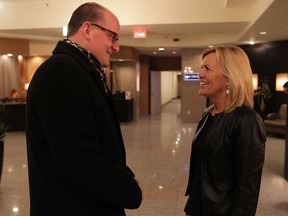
(158,150)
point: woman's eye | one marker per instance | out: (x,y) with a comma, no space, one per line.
(205,67)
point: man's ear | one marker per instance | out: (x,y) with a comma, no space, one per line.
(85,29)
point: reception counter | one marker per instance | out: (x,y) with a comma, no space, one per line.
(15,114)
(124,109)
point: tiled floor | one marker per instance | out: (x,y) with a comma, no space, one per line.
(158,150)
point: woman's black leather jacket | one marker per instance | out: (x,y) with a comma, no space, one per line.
(232,162)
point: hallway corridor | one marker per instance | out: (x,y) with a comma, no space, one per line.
(158,151)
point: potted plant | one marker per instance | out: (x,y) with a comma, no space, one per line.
(2,135)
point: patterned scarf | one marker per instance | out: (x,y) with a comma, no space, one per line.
(93,60)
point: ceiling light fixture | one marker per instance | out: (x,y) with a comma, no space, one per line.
(161,49)
(263,33)
(252,42)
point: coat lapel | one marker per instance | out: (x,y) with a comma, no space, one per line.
(202,122)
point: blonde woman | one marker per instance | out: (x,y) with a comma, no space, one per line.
(229,144)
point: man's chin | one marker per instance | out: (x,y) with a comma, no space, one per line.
(105,64)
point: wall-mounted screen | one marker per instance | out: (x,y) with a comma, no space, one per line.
(191,76)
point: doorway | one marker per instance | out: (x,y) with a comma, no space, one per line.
(164,87)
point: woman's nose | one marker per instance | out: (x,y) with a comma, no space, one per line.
(201,74)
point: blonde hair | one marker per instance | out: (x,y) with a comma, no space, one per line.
(235,65)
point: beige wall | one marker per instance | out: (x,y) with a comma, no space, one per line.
(124,77)
(14,46)
(192,104)
(32,64)
(127,53)
(42,49)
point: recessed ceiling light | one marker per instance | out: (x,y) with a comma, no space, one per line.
(154,53)
(174,52)
(263,33)
(161,49)
(251,42)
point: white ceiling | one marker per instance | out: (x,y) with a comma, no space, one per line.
(194,23)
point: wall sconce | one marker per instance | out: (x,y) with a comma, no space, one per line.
(64,31)
(188,69)
(26,86)
(255,81)
(281,79)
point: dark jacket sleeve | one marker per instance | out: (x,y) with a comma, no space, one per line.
(249,145)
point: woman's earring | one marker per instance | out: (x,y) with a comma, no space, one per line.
(227,91)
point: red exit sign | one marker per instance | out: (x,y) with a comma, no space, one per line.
(139,33)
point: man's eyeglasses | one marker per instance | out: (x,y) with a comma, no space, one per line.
(113,34)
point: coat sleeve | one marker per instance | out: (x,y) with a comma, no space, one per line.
(64,105)
(249,145)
